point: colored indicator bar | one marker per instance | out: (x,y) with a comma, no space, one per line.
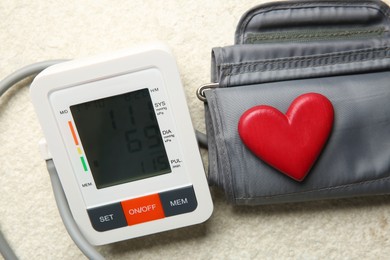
(84,163)
(76,141)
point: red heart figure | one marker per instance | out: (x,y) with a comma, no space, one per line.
(290,143)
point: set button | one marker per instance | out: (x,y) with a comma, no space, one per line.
(143,209)
(107,217)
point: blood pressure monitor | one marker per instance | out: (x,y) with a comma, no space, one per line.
(120,135)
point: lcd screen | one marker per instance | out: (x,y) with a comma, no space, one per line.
(121,138)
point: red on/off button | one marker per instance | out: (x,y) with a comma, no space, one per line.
(143,209)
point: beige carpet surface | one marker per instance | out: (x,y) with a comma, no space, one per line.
(32,31)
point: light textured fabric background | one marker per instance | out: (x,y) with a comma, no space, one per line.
(32,31)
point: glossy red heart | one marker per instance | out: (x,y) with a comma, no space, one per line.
(289,142)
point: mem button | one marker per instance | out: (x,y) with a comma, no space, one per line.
(178,201)
(107,217)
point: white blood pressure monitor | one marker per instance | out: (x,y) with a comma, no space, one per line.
(121,138)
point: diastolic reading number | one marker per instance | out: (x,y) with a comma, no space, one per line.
(135,145)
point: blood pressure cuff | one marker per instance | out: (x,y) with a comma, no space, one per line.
(285,51)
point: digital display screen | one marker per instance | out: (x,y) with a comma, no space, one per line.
(121,138)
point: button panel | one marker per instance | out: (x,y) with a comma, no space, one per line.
(143,209)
